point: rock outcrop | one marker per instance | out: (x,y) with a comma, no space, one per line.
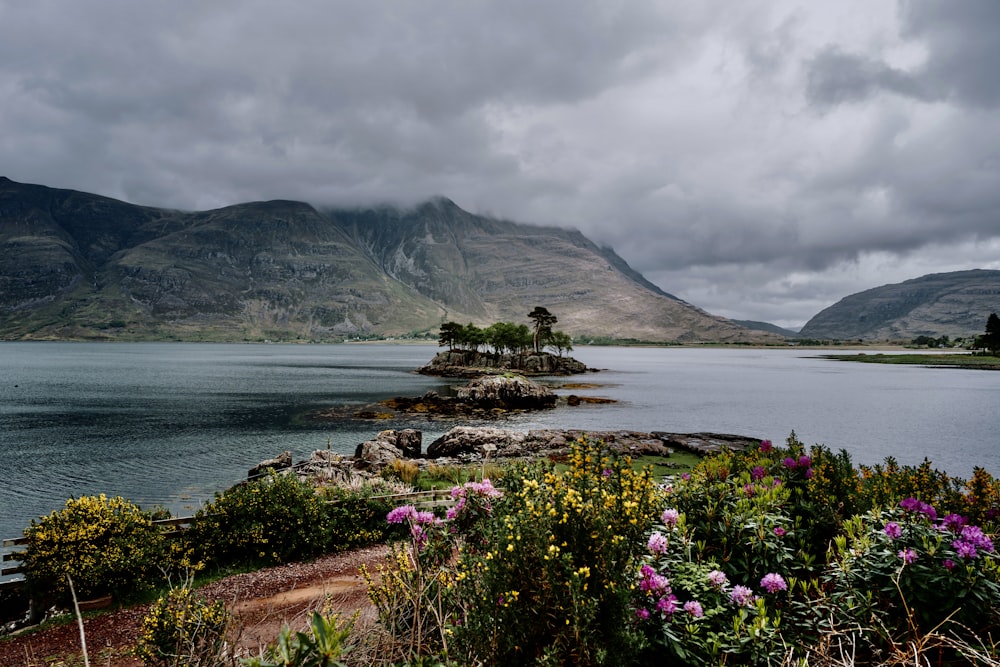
(281,462)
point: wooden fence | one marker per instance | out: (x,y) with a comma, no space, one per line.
(175,527)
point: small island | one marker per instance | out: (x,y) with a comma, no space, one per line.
(503,347)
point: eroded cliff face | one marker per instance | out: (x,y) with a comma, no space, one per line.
(77,265)
(954,304)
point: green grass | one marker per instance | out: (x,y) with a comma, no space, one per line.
(931,360)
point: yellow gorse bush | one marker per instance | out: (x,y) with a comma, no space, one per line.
(107,545)
(183,628)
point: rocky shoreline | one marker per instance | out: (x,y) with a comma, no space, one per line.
(465,445)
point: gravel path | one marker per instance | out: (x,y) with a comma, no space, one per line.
(262,601)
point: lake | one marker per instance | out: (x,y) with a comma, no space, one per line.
(169,424)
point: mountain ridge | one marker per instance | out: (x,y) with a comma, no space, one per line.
(954,304)
(78,265)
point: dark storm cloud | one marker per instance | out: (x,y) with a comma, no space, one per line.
(758,159)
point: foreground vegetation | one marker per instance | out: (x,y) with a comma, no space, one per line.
(778,555)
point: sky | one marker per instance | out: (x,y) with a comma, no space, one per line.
(758,159)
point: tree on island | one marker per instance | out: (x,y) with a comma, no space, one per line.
(559,341)
(991,339)
(507,337)
(543,320)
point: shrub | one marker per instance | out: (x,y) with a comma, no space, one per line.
(271,520)
(357,518)
(184,629)
(550,581)
(913,572)
(105,545)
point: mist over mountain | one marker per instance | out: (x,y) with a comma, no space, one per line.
(77,265)
(954,304)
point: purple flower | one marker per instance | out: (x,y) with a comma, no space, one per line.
(909,504)
(805,461)
(693,607)
(642,614)
(975,536)
(670,517)
(788,462)
(748,490)
(772,583)
(954,522)
(914,505)
(401,514)
(779,531)
(606,472)
(809,473)
(685,476)
(766,446)
(742,596)
(949,564)
(893,530)
(652,582)
(717,578)
(757,473)
(965,549)
(657,543)
(908,555)
(667,605)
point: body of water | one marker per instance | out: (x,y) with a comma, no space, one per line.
(169,424)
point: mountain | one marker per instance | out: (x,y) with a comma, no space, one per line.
(768,327)
(77,265)
(954,304)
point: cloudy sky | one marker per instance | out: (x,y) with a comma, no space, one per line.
(760,159)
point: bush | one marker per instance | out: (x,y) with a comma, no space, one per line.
(183,629)
(105,545)
(914,573)
(357,519)
(550,581)
(272,520)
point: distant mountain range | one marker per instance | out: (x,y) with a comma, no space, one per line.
(80,266)
(954,304)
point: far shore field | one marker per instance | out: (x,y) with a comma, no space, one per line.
(931,360)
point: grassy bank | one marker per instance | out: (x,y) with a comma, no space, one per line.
(976,361)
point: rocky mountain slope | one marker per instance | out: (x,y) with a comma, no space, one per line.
(76,265)
(941,304)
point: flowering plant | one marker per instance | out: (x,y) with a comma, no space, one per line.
(915,572)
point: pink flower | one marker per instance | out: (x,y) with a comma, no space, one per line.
(772,583)
(757,473)
(670,517)
(908,555)
(667,605)
(401,514)
(779,531)
(642,614)
(693,607)
(766,446)
(657,543)
(717,578)
(742,596)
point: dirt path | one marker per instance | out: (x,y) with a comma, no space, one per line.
(262,602)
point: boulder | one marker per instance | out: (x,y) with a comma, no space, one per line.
(281,462)
(468,440)
(410,442)
(375,454)
(512,392)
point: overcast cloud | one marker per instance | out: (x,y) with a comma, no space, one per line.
(758,159)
